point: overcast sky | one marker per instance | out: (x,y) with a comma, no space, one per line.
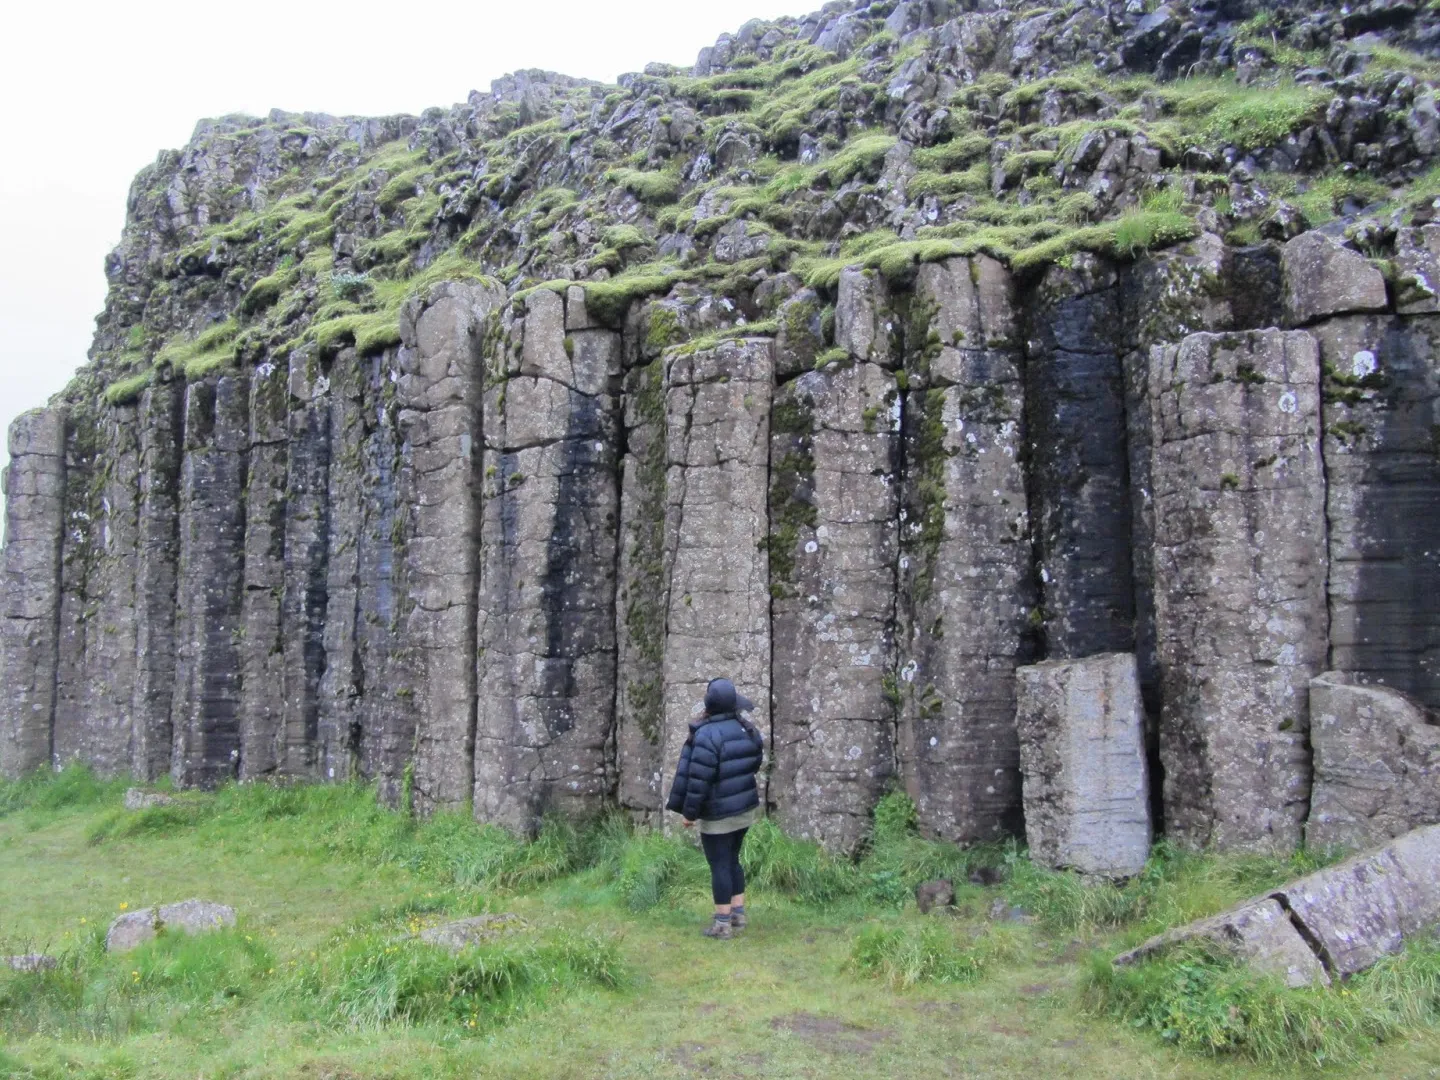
(94,91)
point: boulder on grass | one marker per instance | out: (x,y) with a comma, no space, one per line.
(934,894)
(135,928)
(31,963)
(462,933)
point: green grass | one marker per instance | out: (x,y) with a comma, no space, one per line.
(602,972)
(208,351)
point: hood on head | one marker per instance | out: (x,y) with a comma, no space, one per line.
(721,697)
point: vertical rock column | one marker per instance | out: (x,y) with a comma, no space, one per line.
(206,711)
(546,618)
(265,513)
(30,590)
(641,597)
(1239,502)
(1382,461)
(834,545)
(439,399)
(968,596)
(106,732)
(304,598)
(157,561)
(1079,473)
(382,673)
(79,602)
(341,686)
(717,619)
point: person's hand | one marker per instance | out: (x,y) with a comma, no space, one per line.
(688,823)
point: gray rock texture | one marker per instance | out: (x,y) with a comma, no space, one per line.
(135,928)
(1367,907)
(1259,933)
(438,399)
(717,616)
(31,963)
(546,631)
(834,545)
(1323,278)
(206,708)
(34,525)
(463,933)
(1382,403)
(1239,565)
(967,599)
(1377,764)
(1082,753)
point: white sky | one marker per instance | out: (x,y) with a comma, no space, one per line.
(94,89)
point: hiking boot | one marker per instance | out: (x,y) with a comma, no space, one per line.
(738,921)
(718,929)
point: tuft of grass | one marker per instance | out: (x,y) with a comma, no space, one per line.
(908,953)
(656,188)
(206,352)
(608,301)
(127,391)
(372,982)
(1217,1007)
(45,791)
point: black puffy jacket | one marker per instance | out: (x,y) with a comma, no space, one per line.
(716,775)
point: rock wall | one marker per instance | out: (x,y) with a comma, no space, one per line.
(495,564)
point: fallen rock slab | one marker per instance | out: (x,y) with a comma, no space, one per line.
(31,963)
(1367,907)
(934,894)
(1377,764)
(135,928)
(1082,756)
(463,933)
(1331,924)
(1259,933)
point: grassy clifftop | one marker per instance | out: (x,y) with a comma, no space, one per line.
(875,135)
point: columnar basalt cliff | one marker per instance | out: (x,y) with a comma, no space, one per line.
(877,356)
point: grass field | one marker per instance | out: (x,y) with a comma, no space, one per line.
(604,974)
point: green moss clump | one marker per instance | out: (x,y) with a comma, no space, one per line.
(205,353)
(127,391)
(651,187)
(792,490)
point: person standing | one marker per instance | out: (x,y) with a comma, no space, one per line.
(715,786)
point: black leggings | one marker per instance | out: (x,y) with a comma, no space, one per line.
(722,851)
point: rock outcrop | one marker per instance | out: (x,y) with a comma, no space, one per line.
(864,363)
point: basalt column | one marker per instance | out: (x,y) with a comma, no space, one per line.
(717,618)
(30,591)
(157,561)
(546,628)
(206,711)
(439,401)
(834,545)
(1382,460)
(79,562)
(1240,559)
(641,598)
(304,598)
(1079,473)
(968,595)
(263,640)
(103,738)
(382,667)
(343,683)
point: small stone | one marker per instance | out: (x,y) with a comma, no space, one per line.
(463,933)
(1003,911)
(934,894)
(139,799)
(31,963)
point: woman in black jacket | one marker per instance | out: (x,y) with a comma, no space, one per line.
(715,785)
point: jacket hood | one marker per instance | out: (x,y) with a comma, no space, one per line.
(721,697)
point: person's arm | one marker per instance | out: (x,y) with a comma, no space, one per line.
(676,802)
(704,768)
